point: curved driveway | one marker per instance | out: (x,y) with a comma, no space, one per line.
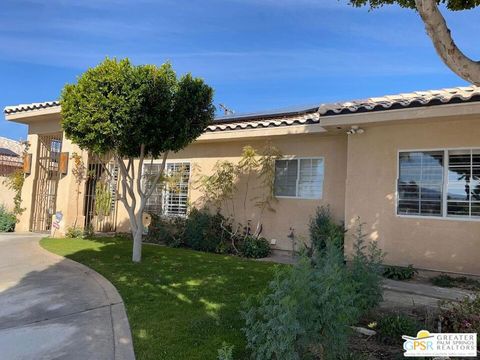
(55,308)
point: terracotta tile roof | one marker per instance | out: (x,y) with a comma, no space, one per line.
(402,101)
(30,107)
(313,114)
(300,119)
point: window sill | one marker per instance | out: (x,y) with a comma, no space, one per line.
(297,198)
(417,217)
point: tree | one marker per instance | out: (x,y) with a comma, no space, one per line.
(135,112)
(440,34)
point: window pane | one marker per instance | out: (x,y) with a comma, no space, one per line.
(286,177)
(420,183)
(475,208)
(154,202)
(408,207)
(311,178)
(176,190)
(430,208)
(458,208)
(460,186)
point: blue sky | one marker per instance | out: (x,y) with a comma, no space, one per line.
(257,54)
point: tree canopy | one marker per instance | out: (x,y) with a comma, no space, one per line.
(134,113)
(454,5)
(117,106)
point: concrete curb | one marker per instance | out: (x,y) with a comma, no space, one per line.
(123,345)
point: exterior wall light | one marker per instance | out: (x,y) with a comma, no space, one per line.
(355,130)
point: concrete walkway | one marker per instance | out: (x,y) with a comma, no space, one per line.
(55,308)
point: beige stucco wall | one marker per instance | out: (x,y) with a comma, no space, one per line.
(290,213)
(438,244)
(6,195)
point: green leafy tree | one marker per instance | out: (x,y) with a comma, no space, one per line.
(135,112)
(438,30)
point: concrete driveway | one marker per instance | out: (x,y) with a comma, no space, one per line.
(55,308)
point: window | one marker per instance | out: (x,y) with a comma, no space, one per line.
(171,198)
(302,178)
(463,190)
(443,183)
(420,183)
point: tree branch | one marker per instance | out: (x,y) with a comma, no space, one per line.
(446,48)
(157,177)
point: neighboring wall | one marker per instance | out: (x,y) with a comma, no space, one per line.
(438,244)
(290,213)
(6,195)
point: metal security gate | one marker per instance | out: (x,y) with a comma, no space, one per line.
(102,172)
(46,183)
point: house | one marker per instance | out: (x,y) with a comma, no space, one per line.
(407,165)
(10,161)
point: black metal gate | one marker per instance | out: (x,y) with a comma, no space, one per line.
(46,182)
(102,171)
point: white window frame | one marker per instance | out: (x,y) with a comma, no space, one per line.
(298,177)
(181,162)
(444,215)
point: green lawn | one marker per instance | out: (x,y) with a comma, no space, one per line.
(181,304)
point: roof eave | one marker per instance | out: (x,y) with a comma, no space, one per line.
(26,117)
(385,116)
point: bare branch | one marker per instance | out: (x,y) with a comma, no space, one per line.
(140,169)
(445,46)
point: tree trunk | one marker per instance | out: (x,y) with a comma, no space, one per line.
(137,245)
(446,48)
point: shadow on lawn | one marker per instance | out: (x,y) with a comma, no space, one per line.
(181,304)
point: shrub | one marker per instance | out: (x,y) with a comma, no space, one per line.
(306,308)
(205,232)
(7,220)
(399,272)
(253,247)
(169,231)
(88,231)
(366,270)
(74,232)
(323,229)
(225,352)
(448,281)
(462,316)
(390,328)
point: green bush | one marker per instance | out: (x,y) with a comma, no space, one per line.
(462,316)
(253,247)
(399,272)
(7,220)
(74,232)
(166,230)
(366,270)
(306,308)
(390,328)
(204,232)
(323,229)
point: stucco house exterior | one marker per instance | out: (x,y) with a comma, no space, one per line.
(408,165)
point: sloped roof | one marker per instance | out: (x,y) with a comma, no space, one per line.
(313,114)
(29,107)
(401,101)
(10,147)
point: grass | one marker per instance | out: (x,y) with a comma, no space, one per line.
(463,282)
(181,304)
